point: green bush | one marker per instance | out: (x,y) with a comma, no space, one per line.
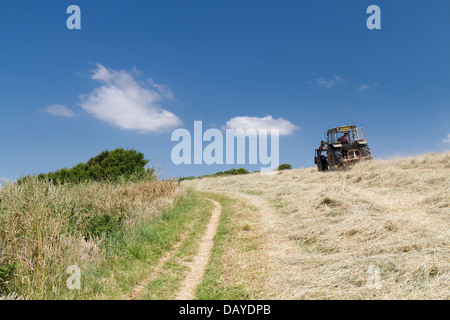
(107,166)
(237,171)
(6,273)
(187,178)
(230,172)
(284,166)
(103,225)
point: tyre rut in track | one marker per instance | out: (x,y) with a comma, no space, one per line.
(200,261)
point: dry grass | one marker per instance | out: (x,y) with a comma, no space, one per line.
(235,271)
(324,231)
(46,228)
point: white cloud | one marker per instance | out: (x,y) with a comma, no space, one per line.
(327,82)
(59,110)
(128,104)
(446,139)
(284,126)
(365,87)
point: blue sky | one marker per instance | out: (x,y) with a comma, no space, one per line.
(312,63)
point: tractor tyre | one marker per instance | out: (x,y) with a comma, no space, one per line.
(337,156)
(334,157)
(319,165)
(365,150)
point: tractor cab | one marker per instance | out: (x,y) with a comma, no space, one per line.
(335,135)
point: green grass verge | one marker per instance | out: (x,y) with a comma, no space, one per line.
(169,280)
(133,254)
(214,286)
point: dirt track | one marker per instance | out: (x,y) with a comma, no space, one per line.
(196,268)
(201,259)
(139,290)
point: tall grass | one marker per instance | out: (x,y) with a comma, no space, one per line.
(46,228)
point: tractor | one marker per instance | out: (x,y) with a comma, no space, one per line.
(344,146)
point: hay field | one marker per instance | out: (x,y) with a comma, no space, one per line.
(380,230)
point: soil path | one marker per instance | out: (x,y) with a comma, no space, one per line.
(200,261)
(139,290)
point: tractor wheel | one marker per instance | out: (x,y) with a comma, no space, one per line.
(319,166)
(365,150)
(334,157)
(337,156)
(324,162)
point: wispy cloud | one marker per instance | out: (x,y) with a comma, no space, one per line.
(365,87)
(124,102)
(327,82)
(285,127)
(59,110)
(446,139)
